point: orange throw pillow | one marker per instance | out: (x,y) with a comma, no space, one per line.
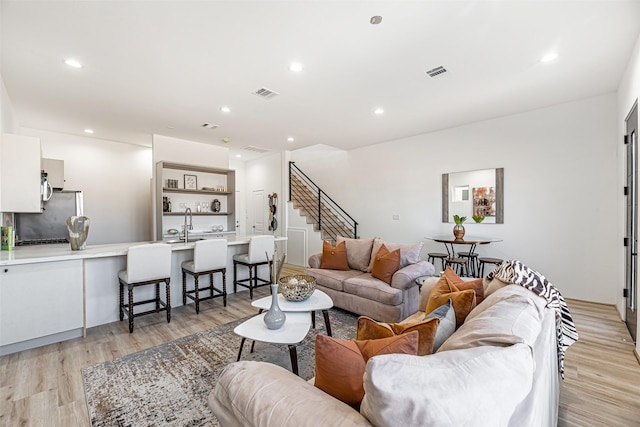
(385,264)
(463,301)
(369,329)
(340,364)
(476,285)
(334,258)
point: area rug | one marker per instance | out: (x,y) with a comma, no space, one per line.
(168,385)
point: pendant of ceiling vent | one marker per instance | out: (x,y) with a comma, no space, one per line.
(256,149)
(265,93)
(210,126)
(434,72)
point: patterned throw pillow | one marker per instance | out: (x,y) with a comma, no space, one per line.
(385,264)
(369,329)
(334,258)
(340,364)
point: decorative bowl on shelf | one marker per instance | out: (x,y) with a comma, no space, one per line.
(298,287)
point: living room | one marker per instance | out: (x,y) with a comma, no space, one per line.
(564,166)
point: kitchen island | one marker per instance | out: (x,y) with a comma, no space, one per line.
(49,293)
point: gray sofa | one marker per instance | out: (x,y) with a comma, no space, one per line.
(500,368)
(356,290)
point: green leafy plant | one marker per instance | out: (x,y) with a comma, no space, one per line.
(459,219)
(477,218)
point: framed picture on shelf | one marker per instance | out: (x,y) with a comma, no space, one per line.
(190,182)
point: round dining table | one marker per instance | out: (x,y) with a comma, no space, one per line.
(470,241)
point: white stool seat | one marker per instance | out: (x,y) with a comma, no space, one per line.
(209,257)
(241,258)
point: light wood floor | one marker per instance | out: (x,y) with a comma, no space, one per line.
(43,386)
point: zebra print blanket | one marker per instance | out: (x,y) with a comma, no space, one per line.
(514,271)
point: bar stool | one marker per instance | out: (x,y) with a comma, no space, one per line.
(483,261)
(261,250)
(146,265)
(209,257)
(459,265)
(432,256)
(472,259)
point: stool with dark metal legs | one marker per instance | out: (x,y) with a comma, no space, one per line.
(209,257)
(261,249)
(483,261)
(432,256)
(472,259)
(459,265)
(147,264)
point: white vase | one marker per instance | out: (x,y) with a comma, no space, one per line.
(274,318)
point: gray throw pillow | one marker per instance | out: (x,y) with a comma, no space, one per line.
(447,326)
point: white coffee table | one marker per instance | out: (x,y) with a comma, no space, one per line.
(294,330)
(317,301)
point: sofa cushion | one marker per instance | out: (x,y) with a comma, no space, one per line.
(463,285)
(463,301)
(511,315)
(333,279)
(490,286)
(334,258)
(409,253)
(476,387)
(447,326)
(358,252)
(369,329)
(385,264)
(369,287)
(340,364)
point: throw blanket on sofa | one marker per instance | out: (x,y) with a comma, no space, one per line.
(514,271)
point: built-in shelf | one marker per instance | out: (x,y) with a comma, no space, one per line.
(195,213)
(185,191)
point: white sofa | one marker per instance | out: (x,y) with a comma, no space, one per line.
(499,368)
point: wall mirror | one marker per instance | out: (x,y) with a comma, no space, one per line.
(478,192)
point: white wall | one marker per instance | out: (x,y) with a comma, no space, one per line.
(241,209)
(8,119)
(176,150)
(628,94)
(115,179)
(560,164)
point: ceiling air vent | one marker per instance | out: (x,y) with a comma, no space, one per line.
(210,126)
(255,149)
(434,72)
(265,93)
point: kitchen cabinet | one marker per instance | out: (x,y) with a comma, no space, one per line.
(20,168)
(55,172)
(210,184)
(40,300)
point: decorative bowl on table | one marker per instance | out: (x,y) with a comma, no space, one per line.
(298,287)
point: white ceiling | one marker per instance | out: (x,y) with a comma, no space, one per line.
(166,67)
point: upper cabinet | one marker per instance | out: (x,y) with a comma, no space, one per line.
(20,189)
(55,172)
(209,193)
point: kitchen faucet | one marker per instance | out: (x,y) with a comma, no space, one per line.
(189,226)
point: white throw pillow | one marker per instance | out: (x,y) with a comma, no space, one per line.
(474,387)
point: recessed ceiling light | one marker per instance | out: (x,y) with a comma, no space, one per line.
(73,63)
(290,139)
(225,109)
(549,57)
(375,20)
(88,131)
(238,155)
(379,111)
(296,67)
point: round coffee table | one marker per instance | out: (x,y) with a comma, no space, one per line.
(317,301)
(294,330)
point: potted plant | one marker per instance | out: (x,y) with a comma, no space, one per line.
(458,229)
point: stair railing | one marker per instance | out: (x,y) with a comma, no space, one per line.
(323,201)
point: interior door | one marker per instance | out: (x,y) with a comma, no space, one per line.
(631,232)
(258,212)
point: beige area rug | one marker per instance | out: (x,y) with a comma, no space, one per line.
(168,385)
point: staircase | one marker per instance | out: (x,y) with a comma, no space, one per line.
(327,216)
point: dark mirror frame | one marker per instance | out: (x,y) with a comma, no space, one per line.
(499,196)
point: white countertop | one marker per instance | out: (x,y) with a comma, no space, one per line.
(63,252)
